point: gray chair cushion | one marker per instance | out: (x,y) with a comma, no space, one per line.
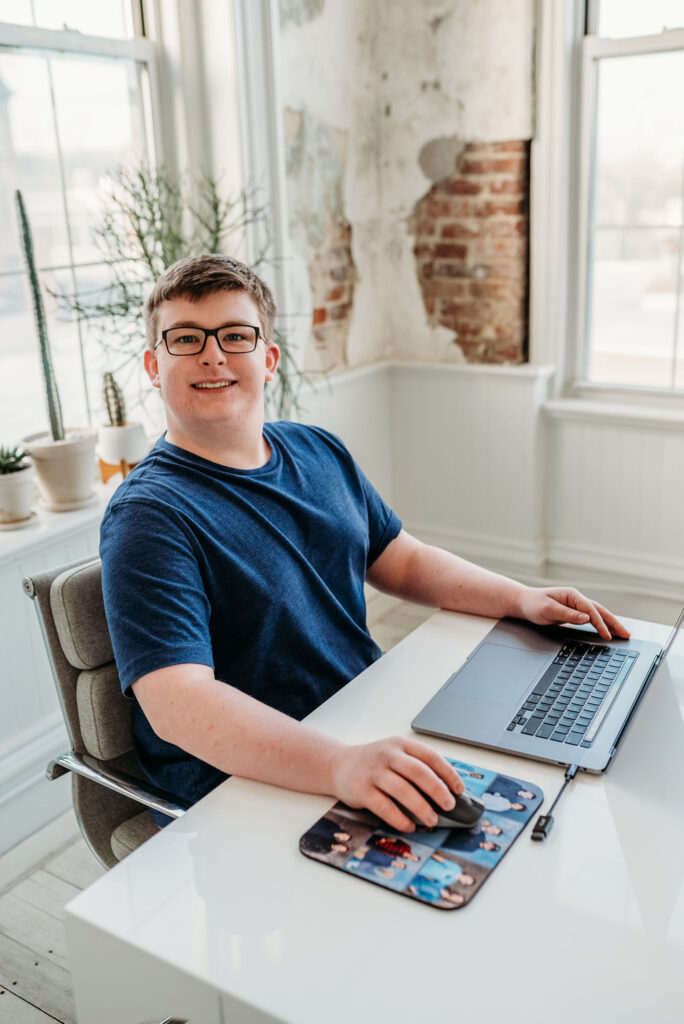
(131,834)
(104,714)
(78,609)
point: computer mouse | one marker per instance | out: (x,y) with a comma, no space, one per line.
(465,813)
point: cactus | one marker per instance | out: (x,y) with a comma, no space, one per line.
(12,460)
(114,401)
(51,390)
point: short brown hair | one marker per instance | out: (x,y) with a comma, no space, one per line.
(197,276)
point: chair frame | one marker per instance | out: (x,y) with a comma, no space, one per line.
(81,765)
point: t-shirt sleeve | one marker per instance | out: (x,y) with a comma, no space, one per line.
(155,599)
(383,523)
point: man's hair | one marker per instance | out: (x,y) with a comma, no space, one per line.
(197,276)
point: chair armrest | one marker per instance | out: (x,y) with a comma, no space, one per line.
(127,785)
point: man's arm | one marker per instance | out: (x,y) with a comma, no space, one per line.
(187,706)
(418,572)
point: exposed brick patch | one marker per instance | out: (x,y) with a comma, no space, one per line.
(332,285)
(471,247)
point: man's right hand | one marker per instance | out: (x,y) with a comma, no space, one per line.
(371,774)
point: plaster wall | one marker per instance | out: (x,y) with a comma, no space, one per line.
(400,86)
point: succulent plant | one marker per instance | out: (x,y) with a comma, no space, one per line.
(51,390)
(12,460)
(114,401)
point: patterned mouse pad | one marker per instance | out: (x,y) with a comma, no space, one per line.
(444,867)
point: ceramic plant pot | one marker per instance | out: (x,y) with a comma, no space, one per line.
(66,469)
(16,496)
(127,444)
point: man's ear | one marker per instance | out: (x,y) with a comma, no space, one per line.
(272,359)
(152,367)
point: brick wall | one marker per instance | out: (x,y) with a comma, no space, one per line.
(331,274)
(471,250)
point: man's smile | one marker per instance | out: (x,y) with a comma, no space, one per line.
(212,384)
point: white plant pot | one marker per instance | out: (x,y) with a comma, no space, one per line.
(128,443)
(66,469)
(16,495)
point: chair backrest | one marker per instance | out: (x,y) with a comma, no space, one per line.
(98,717)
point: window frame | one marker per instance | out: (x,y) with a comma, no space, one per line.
(567,55)
(140,50)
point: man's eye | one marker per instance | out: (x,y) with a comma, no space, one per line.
(235,336)
(187,339)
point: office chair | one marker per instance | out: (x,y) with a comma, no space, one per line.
(108,785)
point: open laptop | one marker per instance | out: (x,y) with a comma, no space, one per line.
(558,694)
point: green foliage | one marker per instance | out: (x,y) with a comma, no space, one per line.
(51,391)
(114,401)
(151,219)
(12,460)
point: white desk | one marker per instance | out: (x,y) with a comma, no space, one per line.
(221,920)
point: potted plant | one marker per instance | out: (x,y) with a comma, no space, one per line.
(16,487)
(121,445)
(64,459)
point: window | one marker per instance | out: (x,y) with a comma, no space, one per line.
(631,214)
(75,98)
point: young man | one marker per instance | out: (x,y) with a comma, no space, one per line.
(234,558)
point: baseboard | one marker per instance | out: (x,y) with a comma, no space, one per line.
(644,586)
(505,553)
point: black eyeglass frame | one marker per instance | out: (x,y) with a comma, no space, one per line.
(208,333)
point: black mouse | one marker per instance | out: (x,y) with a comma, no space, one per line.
(465,813)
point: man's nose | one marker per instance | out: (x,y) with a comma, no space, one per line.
(212,351)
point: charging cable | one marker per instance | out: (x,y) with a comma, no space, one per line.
(544,822)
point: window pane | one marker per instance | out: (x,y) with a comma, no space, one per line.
(22,405)
(100,127)
(640,140)
(28,159)
(633,291)
(620,18)
(92,17)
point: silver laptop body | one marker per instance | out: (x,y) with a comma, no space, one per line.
(522,681)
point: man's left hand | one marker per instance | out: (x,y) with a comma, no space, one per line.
(548,605)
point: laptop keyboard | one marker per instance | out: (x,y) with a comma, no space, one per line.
(573,697)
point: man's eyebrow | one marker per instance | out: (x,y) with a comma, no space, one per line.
(183,323)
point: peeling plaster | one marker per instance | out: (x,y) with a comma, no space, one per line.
(438,157)
(404,81)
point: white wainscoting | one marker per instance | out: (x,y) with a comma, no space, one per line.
(473,458)
(31,725)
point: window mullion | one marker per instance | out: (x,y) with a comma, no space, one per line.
(62,179)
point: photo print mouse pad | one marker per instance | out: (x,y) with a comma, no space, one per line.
(443,867)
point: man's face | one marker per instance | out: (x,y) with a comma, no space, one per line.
(192,409)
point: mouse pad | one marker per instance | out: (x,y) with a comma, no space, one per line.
(444,867)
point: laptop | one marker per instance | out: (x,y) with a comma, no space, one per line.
(557,694)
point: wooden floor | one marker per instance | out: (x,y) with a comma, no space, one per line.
(35,984)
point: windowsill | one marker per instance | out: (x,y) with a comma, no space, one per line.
(52,527)
(618,414)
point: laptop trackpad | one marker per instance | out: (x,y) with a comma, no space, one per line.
(497,673)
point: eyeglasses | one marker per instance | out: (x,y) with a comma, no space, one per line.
(190,341)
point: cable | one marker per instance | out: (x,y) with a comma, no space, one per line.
(544,822)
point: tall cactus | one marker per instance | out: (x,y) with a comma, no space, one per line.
(51,391)
(114,401)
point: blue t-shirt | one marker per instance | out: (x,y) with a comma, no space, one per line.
(256,573)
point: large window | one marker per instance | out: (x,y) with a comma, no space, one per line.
(75,98)
(631,251)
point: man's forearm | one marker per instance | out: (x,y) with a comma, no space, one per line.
(434,576)
(236,733)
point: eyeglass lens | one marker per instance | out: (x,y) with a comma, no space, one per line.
(232,338)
